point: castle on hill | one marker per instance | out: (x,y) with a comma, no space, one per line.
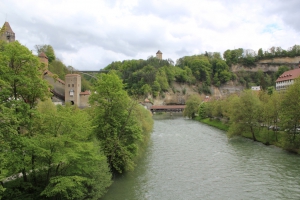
(68,90)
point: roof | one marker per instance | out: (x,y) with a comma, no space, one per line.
(87,92)
(159,52)
(51,74)
(6,27)
(289,75)
(43,55)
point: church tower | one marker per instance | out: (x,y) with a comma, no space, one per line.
(6,33)
(159,55)
(72,88)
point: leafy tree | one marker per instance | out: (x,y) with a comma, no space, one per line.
(204,110)
(290,116)
(156,88)
(244,114)
(281,70)
(192,106)
(116,124)
(48,50)
(260,53)
(61,159)
(162,79)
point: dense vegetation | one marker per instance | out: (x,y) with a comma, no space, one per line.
(249,57)
(270,117)
(154,76)
(62,152)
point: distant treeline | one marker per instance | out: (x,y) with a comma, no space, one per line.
(249,57)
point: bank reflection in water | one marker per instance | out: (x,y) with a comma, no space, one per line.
(189,160)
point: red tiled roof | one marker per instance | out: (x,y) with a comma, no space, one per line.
(51,74)
(87,92)
(289,75)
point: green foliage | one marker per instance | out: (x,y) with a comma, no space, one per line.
(48,50)
(204,110)
(116,122)
(289,115)
(46,145)
(192,106)
(281,70)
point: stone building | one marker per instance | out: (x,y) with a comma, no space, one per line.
(6,33)
(63,91)
(159,55)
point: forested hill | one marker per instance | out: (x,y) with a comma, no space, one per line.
(154,76)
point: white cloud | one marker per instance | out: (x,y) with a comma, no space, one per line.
(91,34)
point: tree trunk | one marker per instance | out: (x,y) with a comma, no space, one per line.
(253,135)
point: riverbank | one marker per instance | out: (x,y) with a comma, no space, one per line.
(263,135)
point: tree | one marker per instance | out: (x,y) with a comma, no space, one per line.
(281,70)
(116,124)
(61,159)
(244,114)
(290,116)
(48,50)
(192,106)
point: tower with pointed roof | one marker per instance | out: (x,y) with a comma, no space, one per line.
(159,55)
(6,33)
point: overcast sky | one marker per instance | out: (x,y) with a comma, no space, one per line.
(91,34)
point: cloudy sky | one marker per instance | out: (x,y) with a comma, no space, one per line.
(90,34)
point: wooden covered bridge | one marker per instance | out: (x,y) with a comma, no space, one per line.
(167,108)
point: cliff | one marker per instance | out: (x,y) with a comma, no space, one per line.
(178,93)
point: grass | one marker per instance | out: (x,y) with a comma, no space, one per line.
(215,123)
(262,135)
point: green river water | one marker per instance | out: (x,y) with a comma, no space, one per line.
(188,160)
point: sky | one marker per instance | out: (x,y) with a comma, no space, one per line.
(91,34)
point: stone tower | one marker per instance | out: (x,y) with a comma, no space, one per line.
(6,33)
(159,55)
(72,88)
(44,59)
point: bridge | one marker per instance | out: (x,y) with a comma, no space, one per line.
(93,72)
(167,108)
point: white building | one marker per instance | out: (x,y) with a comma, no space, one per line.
(256,88)
(287,79)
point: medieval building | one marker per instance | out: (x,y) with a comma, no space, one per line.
(159,55)
(6,33)
(68,91)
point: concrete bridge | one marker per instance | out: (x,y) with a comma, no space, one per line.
(167,108)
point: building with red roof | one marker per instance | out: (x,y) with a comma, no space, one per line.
(287,79)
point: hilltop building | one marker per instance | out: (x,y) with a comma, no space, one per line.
(287,79)
(6,33)
(159,55)
(63,91)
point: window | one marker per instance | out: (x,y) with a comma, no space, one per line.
(68,85)
(71,93)
(72,85)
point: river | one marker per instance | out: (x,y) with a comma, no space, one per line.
(188,160)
